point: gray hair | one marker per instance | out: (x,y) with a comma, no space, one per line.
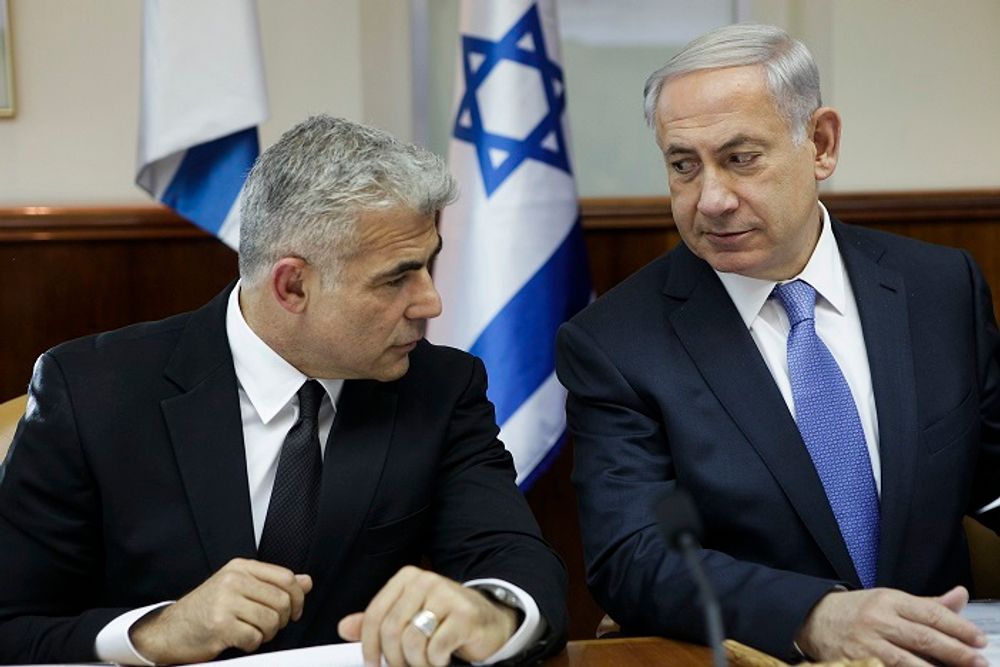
(306,192)
(792,75)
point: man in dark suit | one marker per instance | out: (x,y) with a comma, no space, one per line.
(832,500)
(167,496)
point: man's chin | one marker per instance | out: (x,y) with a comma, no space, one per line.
(744,263)
(394,371)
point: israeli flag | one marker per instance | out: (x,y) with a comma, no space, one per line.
(514,266)
(203,96)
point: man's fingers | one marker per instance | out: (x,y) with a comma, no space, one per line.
(305,582)
(247,587)
(466,622)
(263,617)
(276,575)
(242,605)
(891,654)
(371,628)
(349,627)
(894,626)
(928,642)
(246,637)
(955,599)
(273,598)
(398,621)
(294,586)
(445,641)
(413,645)
(931,613)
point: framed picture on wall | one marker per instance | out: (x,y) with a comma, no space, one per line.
(6,63)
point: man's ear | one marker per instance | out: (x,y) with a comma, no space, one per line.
(289,276)
(825,126)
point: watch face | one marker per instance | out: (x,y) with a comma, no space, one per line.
(504,596)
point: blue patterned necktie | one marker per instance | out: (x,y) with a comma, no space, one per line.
(831,429)
(291,514)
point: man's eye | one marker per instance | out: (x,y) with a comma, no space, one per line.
(743,159)
(683,166)
(397,281)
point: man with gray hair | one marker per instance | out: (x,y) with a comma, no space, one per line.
(828,395)
(271,470)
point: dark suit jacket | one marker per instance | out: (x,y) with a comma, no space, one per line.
(667,387)
(126,484)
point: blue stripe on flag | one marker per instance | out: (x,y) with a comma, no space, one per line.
(210,176)
(518,345)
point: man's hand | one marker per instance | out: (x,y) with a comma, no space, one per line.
(898,628)
(242,605)
(469,624)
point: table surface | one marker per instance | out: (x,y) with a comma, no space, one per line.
(631,651)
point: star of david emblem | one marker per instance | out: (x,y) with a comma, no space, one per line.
(519,55)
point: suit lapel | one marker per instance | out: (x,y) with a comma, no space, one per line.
(714,335)
(352,468)
(206,432)
(881,297)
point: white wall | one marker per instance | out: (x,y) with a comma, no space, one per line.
(917,81)
(76,73)
(73,140)
(918,85)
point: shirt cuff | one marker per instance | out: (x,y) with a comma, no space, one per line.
(113,643)
(531,629)
(987,508)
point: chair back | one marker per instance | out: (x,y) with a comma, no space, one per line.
(10,413)
(984,552)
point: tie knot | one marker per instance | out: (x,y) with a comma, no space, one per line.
(799,299)
(310,396)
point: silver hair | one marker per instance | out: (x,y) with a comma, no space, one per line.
(792,75)
(306,192)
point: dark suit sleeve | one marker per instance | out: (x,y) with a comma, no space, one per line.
(986,488)
(483,526)
(622,466)
(50,518)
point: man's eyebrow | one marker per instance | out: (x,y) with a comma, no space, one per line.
(409,265)
(674,149)
(738,141)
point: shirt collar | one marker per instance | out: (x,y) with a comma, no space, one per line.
(269,381)
(824,271)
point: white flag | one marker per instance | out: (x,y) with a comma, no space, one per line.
(203,96)
(513,267)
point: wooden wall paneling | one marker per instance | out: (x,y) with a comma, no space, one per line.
(553,501)
(66,272)
(624,235)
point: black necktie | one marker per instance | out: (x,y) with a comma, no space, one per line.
(291,514)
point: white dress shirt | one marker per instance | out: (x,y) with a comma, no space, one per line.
(269,407)
(837,324)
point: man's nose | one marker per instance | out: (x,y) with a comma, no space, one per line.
(427,302)
(717,197)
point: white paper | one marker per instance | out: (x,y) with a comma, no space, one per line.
(986,615)
(330,655)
